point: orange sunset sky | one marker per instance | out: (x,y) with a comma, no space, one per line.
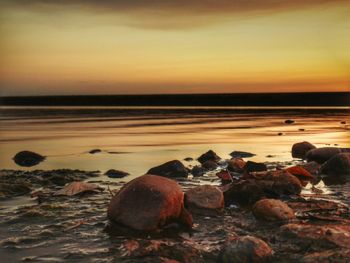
(163,46)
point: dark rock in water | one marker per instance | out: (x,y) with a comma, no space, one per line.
(254,167)
(188,159)
(239,154)
(280,133)
(301,129)
(148,203)
(14,189)
(28,158)
(343,122)
(170,169)
(311,167)
(300,149)
(209,156)
(244,192)
(210,165)
(289,121)
(95,151)
(323,154)
(116,173)
(246,249)
(338,165)
(236,165)
(225,176)
(198,171)
(204,199)
(272,210)
(286,184)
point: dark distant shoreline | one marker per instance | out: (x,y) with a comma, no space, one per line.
(237,99)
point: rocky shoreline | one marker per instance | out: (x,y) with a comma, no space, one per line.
(212,211)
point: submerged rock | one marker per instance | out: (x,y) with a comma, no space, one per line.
(95,151)
(209,156)
(28,158)
(116,173)
(338,165)
(149,202)
(323,154)
(246,249)
(236,165)
(8,189)
(76,188)
(210,165)
(170,169)
(204,199)
(254,167)
(272,210)
(300,149)
(289,121)
(339,256)
(240,154)
(324,235)
(198,171)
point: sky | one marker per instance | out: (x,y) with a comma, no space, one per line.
(78,47)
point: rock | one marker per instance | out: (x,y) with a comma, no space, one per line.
(225,176)
(148,203)
(198,171)
(95,151)
(272,210)
(210,165)
(343,122)
(170,169)
(254,167)
(246,249)
(300,149)
(328,256)
(286,184)
(236,165)
(204,199)
(8,189)
(28,158)
(280,133)
(311,167)
(116,173)
(244,192)
(301,173)
(209,155)
(289,121)
(240,154)
(301,129)
(188,159)
(323,154)
(75,188)
(338,165)
(338,235)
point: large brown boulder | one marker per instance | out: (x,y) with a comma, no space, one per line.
(170,169)
(286,184)
(204,199)
(300,149)
(149,202)
(338,165)
(272,210)
(323,154)
(246,249)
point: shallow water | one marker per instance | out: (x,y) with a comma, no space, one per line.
(134,140)
(63,229)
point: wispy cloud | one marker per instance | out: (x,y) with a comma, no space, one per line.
(163,14)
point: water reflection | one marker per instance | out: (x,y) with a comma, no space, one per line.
(147,137)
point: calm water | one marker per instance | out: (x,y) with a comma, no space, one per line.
(134,139)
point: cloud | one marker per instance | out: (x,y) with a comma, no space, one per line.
(164,14)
